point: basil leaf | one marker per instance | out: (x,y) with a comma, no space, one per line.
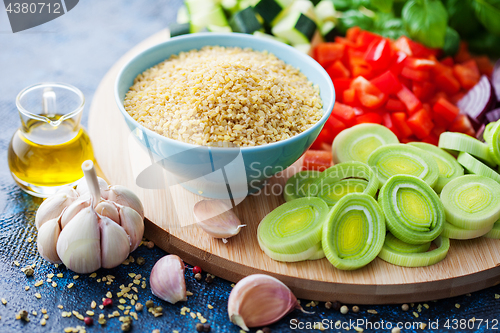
(382,5)
(461,12)
(485,43)
(488,13)
(451,42)
(426,21)
(353,18)
(342,5)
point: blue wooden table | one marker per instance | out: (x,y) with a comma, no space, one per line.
(79,48)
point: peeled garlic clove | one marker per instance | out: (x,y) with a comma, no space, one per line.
(74,209)
(123,196)
(167,279)
(107,209)
(115,243)
(133,224)
(259,300)
(52,208)
(217,218)
(83,187)
(47,240)
(79,245)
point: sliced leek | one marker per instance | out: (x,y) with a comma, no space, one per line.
(475,166)
(413,211)
(494,232)
(320,254)
(401,159)
(494,143)
(448,166)
(358,142)
(298,185)
(458,142)
(397,244)
(489,130)
(342,179)
(417,259)
(453,232)
(353,232)
(293,227)
(311,253)
(471,201)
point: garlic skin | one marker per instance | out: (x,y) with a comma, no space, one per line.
(167,279)
(106,208)
(217,218)
(47,237)
(83,187)
(78,244)
(74,209)
(260,300)
(115,243)
(53,206)
(125,197)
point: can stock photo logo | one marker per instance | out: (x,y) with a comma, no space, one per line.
(26,14)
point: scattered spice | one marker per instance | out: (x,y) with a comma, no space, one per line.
(76,277)
(196,270)
(23,314)
(415,314)
(141,261)
(355,309)
(60,275)
(27,288)
(199,327)
(344,309)
(89,321)
(43,322)
(209,279)
(197,276)
(70,285)
(28,271)
(150,245)
(372,311)
(37,295)
(54,284)
(266,330)
(457,306)
(157,331)
(60,306)
(426,305)
(336,305)
(210,306)
(497,296)
(358,329)
(34,313)
(328,305)
(93,275)
(126,327)
(139,307)
(107,302)
(150,304)
(44,311)
(405,307)
(207,328)
(16,263)
(396,330)
(38,283)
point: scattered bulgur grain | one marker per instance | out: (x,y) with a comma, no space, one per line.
(457,306)
(37,295)
(372,311)
(70,285)
(210,306)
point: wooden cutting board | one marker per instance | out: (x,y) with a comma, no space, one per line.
(470,265)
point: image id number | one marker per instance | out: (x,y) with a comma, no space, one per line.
(33,8)
(462,324)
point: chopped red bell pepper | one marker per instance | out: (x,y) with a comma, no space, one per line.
(418,63)
(328,53)
(398,62)
(378,54)
(395,105)
(367,93)
(463,53)
(389,123)
(468,75)
(349,96)
(344,113)
(411,102)
(341,84)
(399,120)
(338,70)
(387,83)
(420,123)
(319,160)
(484,65)
(423,90)
(446,110)
(370,117)
(462,124)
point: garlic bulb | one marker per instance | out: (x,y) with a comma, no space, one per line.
(260,300)
(217,218)
(86,229)
(167,279)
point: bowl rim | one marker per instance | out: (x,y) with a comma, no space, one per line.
(213,35)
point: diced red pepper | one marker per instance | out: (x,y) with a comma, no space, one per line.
(332,127)
(370,117)
(366,38)
(340,85)
(420,123)
(447,83)
(399,120)
(328,53)
(446,110)
(462,124)
(463,53)
(362,70)
(411,102)
(387,83)
(349,96)
(402,44)
(398,62)
(413,48)
(337,70)
(319,160)
(432,139)
(389,123)
(438,130)
(423,90)
(448,61)
(484,65)
(418,63)
(353,33)
(378,54)
(415,74)
(468,75)
(343,112)
(367,93)
(395,105)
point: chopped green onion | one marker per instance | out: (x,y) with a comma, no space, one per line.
(413,211)
(475,166)
(293,227)
(452,232)
(298,186)
(458,142)
(494,232)
(401,159)
(416,259)
(358,142)
(354,231)
(471,201)
(448,166)
(344,178)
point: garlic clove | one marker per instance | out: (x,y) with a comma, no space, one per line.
(167,279)
(133,224)
(47,240)
(217,218)
(83,187)
(78,245)
(115,243)
(52,208)
(260,300)
(70,191)
(123,196)
(75,208)
(106,208)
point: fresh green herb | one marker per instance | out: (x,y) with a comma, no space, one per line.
(426,21)
(461,12)
(451,42)
(488,13)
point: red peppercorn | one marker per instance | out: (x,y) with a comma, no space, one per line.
(89,321)
(107,302)
(196,270)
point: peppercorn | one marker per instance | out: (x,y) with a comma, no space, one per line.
(199,327)
(89,321)
(405,307)
(336,305)
(107,302)
(197,276)
(24,315)
(328,305)
(266,330)
(28,271)
(139,307)
(150,245)
(196,270)
(206,328)
(140,261)
(150,304)
(209,279)
(126,327)
(344,309)
(355,309)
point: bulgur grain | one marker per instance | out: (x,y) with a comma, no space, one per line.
(220,94)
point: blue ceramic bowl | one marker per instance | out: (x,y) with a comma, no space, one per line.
(221,172)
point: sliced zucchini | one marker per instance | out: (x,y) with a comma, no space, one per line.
(268,9)
(264,35)
(182,15)
(327,29)
(213,16)
(296,28)
(245,21)
(325,11)
(305,7)
(177,29)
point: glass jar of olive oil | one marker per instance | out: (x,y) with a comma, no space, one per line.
(47,151)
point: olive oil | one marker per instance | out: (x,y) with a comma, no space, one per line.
(43,155)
